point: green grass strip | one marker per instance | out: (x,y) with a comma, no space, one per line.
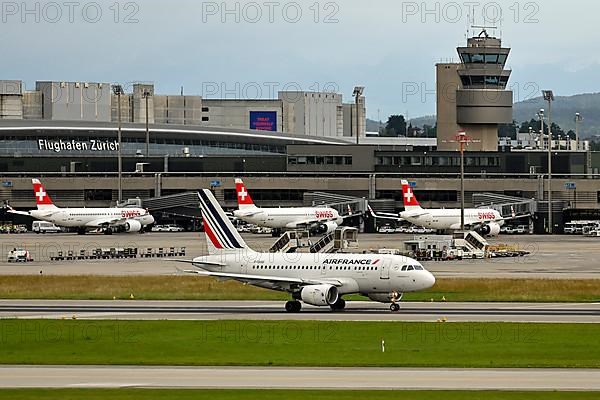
(195,288)
(299,343)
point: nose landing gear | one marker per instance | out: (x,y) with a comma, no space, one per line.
(395,297)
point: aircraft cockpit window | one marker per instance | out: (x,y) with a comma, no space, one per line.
(418,268)
(410,268)
(404,267)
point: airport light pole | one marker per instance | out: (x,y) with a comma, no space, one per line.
(146,96)
(578,119)
(463,139)
(541,116)
(358,91)
(118,91)
(549,97)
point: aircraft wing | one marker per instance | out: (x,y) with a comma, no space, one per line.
(200,263)
(305,223)
(255,279)
(246,214)
(105,221)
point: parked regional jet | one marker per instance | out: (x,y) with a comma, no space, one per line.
(320,219)
(486,221)
(316,279)
(110,219)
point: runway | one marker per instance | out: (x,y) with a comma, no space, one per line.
(299,378)
(272,310)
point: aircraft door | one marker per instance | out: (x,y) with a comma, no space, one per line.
(385,269)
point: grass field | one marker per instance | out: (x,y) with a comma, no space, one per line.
(196,288)
(135,394)
(299,343)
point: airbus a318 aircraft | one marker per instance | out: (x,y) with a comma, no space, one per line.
(486,221)
(319,219)
(316,279)
(109,219)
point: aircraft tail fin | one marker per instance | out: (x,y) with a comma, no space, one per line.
(410,201)
(42,199)
(221,235)
(243,197)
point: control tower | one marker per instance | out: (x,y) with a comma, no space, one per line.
(472,94)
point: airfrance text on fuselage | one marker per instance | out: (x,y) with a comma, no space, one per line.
(335,261)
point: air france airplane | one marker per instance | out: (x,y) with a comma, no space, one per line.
(487,221)
(124,219)
(315,279)
(320,219)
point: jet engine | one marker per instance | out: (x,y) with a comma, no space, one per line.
(491,229)
(132,225)
(319,295)
(326,227)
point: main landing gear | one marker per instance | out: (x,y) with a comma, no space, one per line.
(339,305)
(394,307)
(293,306)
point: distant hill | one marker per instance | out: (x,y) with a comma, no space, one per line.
(420,121)
(373,126)
(563,112)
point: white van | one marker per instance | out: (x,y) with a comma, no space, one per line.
(44,227)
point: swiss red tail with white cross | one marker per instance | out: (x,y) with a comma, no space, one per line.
(42,199)
(243,197)
(410,201)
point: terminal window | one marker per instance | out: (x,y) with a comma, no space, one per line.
(259,195)
(320,160)
(98,194)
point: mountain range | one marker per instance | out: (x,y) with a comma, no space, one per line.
(563,113)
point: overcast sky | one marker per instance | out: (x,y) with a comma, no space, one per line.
(247,50)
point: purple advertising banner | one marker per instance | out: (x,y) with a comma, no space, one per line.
(263,120)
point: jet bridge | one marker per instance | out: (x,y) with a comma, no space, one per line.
(343,204)
(507,206)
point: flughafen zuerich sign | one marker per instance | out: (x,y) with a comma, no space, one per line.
(58,146)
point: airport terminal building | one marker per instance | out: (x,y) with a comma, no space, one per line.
(73,146)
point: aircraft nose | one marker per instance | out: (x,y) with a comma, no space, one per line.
(429,280)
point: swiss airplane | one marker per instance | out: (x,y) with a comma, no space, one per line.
(319,219)
(316,279)
(110,219)
(486,221)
